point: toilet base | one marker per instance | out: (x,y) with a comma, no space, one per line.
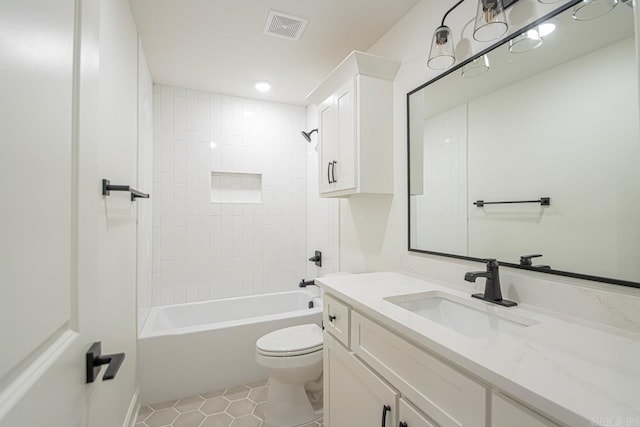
(288,405)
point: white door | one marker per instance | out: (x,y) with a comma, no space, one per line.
(67,254)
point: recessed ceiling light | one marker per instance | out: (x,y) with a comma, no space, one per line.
(263,86)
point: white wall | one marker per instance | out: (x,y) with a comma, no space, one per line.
(204,250)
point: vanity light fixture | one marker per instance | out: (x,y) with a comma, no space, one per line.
(476,68)
(490,24)
(593,9)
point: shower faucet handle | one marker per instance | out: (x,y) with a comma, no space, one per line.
(317,259)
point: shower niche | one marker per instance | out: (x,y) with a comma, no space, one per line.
(355,126)
(236,187)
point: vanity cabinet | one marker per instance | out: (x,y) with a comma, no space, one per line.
(368,366)
(355,127)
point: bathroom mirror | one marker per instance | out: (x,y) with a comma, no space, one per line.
(552,133)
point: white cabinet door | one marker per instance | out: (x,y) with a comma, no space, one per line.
(327,134)
(354,395)
(337,130)
(507,413)
(411,417)
(68,259)
(344,167)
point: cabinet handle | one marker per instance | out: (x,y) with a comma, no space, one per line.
(385,409)
(403,424)
(333,171)
(329,172)
(332,318)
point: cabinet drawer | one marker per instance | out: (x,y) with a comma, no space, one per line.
(335,317)
(448,397)
(507,413)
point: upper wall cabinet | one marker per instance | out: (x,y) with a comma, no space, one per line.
(355,126)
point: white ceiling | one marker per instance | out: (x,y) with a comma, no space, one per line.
(219,45)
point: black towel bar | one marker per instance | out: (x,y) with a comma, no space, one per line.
(544,201)
(107,188)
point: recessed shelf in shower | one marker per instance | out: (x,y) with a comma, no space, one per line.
(236,187)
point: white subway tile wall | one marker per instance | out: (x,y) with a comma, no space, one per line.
(204,250)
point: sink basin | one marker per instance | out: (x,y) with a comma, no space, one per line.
(470,318)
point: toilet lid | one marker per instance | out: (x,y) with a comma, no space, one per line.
(292,341)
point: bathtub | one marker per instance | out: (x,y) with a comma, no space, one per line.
(192,348)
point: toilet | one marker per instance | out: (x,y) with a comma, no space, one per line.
(293,359)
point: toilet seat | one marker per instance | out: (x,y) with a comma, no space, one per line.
(293,341)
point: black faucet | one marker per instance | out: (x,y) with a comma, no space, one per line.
(304,283)
(525,261)
(492,292)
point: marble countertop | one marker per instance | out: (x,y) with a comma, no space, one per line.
(580,374)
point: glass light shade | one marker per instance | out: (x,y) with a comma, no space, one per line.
(476,68)
(593,9)
(525,42)
(441,55)
(491,22)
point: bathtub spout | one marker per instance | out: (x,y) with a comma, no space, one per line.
(304,283)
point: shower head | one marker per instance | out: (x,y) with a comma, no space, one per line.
(307,135)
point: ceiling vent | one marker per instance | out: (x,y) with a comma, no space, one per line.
(285,26)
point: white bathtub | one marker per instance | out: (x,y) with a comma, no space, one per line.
(192,348)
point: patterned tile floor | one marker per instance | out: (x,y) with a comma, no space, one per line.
(240,406)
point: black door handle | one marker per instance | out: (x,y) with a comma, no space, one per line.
(329,172)
(385,409)
(333,171)
(95,359)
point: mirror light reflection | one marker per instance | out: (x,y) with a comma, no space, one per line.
(558,121)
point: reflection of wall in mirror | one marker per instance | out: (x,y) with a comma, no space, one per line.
(441,212)
(569,139)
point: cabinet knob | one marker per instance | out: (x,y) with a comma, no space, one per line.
(332,318)
(403,424)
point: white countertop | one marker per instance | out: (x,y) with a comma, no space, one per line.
(575,373)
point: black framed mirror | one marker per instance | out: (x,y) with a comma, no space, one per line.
(521,151)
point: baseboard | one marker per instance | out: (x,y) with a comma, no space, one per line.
(132,412)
